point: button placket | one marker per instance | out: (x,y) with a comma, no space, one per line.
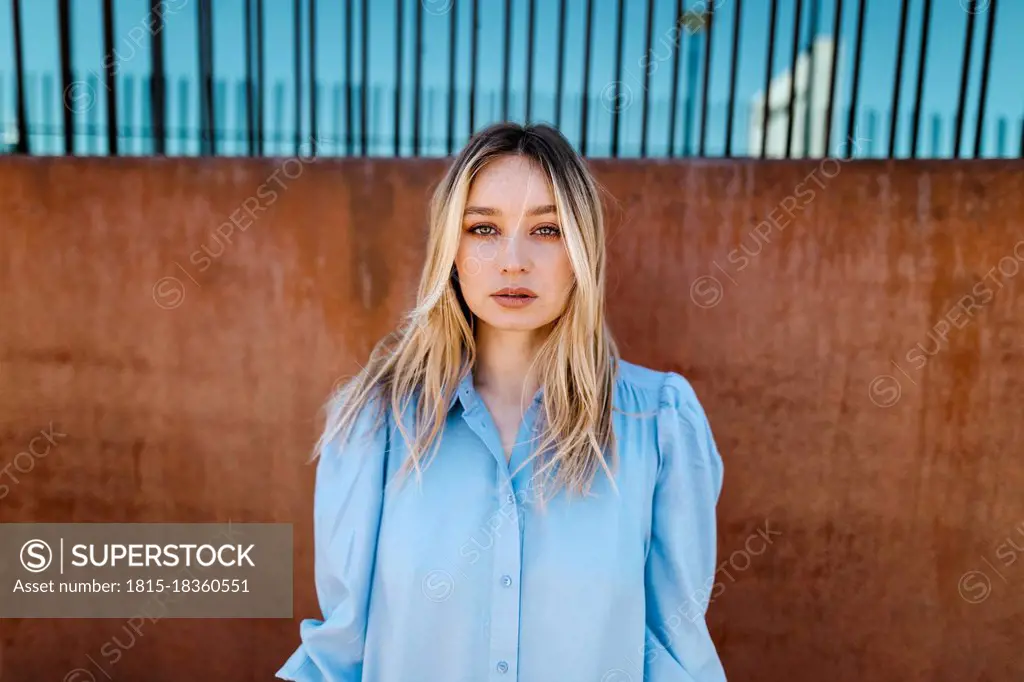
(505,590)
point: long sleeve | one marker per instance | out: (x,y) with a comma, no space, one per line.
(347,502)
(680,569)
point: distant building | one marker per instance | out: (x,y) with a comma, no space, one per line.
(813,77)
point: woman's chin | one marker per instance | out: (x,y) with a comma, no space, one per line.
(511,319)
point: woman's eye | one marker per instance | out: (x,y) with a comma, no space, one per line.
(548,231)
(483,230)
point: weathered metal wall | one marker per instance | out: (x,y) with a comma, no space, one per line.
(854,330)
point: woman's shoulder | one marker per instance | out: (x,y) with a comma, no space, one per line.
(666,402)
(642,387)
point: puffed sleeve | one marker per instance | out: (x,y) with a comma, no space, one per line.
(347,502)
(680,569)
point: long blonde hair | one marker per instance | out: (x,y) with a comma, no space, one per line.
(434,347)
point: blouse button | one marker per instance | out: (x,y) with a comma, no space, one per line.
(506,580)
(502,667)
(511,498)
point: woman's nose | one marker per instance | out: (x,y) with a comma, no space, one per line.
(512,252)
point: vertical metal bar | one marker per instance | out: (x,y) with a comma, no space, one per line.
(453,37)
(985,68)
(619,40)
(561,62)
(915,129)
(250,116)
(732,76)
(709,27)
(364,86)
(529,59)
(680,33)
(766,105)
(836,24)
(855,87)
(110,77)
(200,80)
(794,55)
(22,146)
(64,14)
(210,79)
(586,76)
(965,65)
(475,28)
(297,66)
(649,35)
(399,44)
(261,78)
(313,132)
(205,95)
(507,63)
(417,79)
(157,81)
(898,79)
(349,49)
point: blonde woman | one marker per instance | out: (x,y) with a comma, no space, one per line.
(499,496)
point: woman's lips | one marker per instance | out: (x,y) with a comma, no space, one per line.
(514,297)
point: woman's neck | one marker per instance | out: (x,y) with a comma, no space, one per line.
(504,365)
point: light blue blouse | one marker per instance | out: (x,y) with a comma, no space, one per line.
(462,579)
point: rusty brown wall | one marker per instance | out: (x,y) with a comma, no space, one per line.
(854,331)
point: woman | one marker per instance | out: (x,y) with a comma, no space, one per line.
(561,525)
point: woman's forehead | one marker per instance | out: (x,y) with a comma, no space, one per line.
(511,180)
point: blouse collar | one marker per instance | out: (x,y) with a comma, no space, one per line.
(466,392)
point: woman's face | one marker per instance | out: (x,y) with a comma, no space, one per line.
(512,263)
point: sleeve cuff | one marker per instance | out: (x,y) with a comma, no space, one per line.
(299,668)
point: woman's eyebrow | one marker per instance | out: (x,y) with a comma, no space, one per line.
(488,211)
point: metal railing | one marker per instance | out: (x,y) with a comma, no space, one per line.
(798,113)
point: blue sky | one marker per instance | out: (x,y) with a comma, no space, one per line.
(942,72)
